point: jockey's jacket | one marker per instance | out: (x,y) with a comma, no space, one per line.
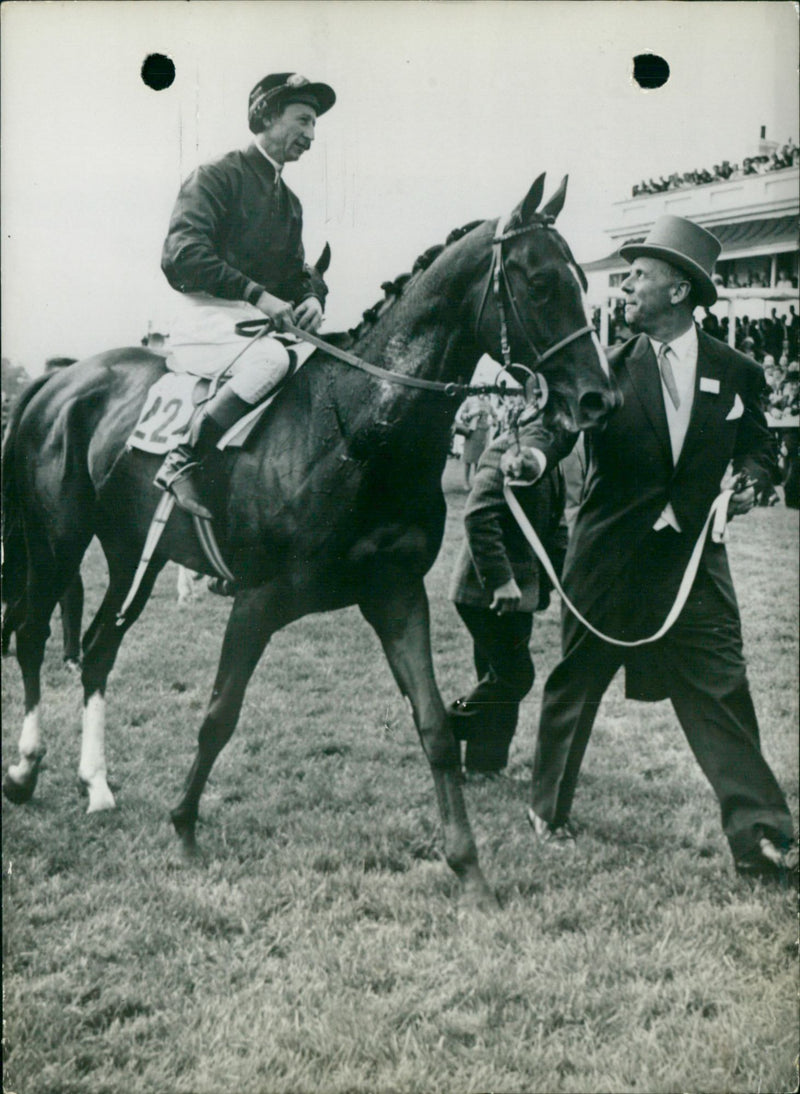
(235,231)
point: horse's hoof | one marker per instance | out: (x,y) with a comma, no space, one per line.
(185,830)
(100,799)
(18,793)
(476,896)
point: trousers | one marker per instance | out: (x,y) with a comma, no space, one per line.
(203,341)
(701,669)
(505,672)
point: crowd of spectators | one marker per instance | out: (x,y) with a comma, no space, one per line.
(783,415)
(749,275)
(775,336)
(787,156)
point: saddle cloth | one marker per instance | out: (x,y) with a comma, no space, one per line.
(171,403)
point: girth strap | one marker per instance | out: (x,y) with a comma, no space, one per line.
(205,536)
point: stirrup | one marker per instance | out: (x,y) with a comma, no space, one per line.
(168,480)
(176,465)
(178,481)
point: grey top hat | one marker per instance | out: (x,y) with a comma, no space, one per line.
(685,245)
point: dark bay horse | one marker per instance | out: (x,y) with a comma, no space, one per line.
(336,501)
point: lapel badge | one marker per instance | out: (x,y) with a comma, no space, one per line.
(709,384)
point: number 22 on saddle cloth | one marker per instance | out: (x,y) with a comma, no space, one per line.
(167,412)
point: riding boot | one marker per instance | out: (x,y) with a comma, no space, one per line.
(176,474)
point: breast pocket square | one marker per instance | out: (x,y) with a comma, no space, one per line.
(736,411)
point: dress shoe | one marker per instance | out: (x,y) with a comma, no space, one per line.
(771,863)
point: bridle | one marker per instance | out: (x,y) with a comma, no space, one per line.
(536,387)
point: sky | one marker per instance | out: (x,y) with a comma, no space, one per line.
(445,113)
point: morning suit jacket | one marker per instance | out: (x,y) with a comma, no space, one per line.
(631,478)
(495,549)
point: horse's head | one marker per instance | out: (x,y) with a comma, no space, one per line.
(530,313)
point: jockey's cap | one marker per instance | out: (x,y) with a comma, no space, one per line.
(285,88)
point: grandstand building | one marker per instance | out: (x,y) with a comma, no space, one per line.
(755,217)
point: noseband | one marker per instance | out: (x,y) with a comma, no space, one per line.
(498,279)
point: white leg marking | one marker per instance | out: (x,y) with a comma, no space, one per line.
(92,769)
(185,590)
(30,745)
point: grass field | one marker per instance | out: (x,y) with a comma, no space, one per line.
(320,946)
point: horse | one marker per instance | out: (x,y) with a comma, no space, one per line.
(336,501)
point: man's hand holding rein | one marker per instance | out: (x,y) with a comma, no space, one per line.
(525,464)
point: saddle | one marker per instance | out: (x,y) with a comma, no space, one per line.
(164,423)
(171,403)
(169,408)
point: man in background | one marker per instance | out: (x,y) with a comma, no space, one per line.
(498,584)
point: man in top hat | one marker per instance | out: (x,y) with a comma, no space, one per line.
(234,251)
(692,406)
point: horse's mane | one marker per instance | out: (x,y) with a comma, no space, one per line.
(393,290)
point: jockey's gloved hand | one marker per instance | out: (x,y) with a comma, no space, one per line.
(308,314)
(279,311)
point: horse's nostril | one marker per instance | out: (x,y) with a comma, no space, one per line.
(593,405)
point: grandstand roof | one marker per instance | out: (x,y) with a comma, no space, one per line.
(767,235)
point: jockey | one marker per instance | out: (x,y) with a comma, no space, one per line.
(234,251)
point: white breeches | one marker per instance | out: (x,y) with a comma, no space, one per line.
(203,341)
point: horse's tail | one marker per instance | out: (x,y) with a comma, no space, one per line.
(14,571)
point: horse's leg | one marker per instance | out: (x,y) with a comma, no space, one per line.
(100,647)
(71,616)
(254,618)
(45,583)
(21,778)
(184,585)
(400,618)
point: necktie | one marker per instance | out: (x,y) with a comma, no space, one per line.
(668,376)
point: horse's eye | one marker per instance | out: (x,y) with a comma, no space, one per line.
(540,286)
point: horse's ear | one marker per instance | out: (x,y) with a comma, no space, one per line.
(528,206)
(556,202)
(324,260)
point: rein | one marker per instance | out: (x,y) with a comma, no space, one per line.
(250,327)
(716,520)
(536,388)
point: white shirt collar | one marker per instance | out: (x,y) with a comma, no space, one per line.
(277,166)
(684,346)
